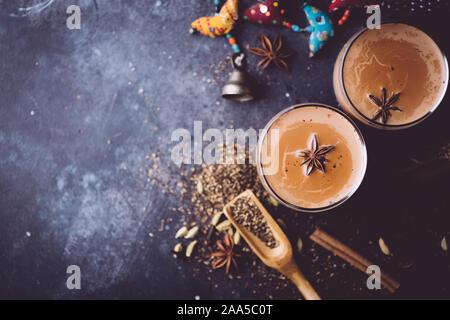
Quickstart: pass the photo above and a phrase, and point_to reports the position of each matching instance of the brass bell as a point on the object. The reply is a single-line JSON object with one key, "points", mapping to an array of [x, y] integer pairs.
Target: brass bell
{"points": [[238, 86]]}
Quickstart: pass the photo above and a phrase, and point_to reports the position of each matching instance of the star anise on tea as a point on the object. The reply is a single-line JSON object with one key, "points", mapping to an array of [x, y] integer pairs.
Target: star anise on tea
{"points": [[385, 105], [272, 52], [226, 255], [315, 157]]}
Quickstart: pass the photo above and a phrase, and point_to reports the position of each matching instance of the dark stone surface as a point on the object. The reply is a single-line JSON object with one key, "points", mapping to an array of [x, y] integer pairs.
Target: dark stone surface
{"points": [[75, 130]]}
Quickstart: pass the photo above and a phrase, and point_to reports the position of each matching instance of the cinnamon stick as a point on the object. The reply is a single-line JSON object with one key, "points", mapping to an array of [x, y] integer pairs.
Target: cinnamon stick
{"points": [[359, 262]]}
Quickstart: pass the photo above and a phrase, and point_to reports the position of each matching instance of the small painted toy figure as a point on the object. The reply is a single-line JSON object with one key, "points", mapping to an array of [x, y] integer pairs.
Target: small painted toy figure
{"points": [[269, 12], [220, 24], [321, 28]]}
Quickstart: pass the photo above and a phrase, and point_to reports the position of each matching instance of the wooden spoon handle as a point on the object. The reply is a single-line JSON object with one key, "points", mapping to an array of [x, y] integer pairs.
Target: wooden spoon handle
{"points": [[303, 285]]}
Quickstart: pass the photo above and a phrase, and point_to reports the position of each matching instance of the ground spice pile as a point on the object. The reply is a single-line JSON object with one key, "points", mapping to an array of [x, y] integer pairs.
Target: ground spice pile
{"points": [[246, 213], [220, 183]]}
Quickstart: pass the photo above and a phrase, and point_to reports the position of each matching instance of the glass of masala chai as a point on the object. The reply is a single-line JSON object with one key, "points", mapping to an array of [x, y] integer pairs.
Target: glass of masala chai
{"points": [[390, 78], [311, 157]]}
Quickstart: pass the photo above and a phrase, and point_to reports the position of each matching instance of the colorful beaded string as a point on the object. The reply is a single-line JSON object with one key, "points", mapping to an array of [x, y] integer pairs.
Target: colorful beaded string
{"points": [[291, 26], [233, 44], [216, 3]]}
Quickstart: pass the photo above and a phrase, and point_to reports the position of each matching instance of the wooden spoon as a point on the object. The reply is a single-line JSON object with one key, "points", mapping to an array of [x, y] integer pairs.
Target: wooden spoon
{"points": [[280, 257]]}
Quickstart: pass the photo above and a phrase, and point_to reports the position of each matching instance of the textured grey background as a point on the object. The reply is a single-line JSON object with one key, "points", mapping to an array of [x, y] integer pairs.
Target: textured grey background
{"points": [[75, 129]]}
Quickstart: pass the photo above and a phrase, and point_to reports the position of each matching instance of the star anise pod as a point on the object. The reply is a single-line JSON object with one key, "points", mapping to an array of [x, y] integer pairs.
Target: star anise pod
{"points": [[385, 105], [226, 255], [315, 157], [272, 52]]}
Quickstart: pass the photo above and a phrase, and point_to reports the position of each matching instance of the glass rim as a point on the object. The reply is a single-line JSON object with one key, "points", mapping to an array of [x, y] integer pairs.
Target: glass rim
{"points": [[393, 126], [263, 176]]}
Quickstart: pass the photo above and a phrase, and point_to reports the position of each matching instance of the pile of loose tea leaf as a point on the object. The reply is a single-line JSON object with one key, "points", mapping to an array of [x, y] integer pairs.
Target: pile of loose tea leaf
{"points": [[219, 184], [246, 213]]}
